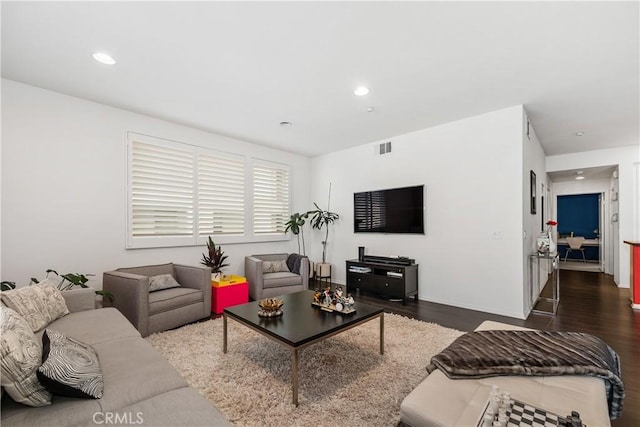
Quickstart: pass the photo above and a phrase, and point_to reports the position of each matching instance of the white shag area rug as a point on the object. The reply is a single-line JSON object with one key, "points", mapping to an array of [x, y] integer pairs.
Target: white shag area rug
{"points": [[343, 380]]}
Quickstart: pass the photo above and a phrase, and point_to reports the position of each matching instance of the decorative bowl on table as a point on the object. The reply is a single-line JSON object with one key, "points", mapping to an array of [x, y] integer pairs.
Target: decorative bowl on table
{"points": [[270, 307]]}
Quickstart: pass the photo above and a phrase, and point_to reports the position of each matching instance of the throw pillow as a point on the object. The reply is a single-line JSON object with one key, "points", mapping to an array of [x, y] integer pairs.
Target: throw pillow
{"points": [[20, 356], [162, 281], [274, 266], [69, 367], [39, 304]]}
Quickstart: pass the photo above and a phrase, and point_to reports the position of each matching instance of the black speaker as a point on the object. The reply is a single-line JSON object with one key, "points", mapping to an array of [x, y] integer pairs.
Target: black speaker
{"points": [[361, 253]]}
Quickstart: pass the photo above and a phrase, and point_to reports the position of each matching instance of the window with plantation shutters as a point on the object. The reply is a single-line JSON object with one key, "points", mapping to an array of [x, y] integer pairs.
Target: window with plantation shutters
{"points": [[180, 194], [161, 191], [270, 198], [221, 187]]}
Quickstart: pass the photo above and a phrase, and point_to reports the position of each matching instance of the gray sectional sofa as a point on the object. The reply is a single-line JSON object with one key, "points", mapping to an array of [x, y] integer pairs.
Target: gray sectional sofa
{"points": [[140, 386]]}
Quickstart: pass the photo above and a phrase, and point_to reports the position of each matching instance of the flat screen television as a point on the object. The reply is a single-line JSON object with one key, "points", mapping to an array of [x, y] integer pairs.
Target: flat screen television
{"points": [[396, 210]]}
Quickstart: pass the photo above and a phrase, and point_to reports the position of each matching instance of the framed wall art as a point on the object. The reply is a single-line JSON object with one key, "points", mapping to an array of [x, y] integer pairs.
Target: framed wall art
{"points": [[533, 192]]}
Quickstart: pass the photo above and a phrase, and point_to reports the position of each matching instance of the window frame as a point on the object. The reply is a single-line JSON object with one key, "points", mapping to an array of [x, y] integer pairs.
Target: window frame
{"points": [[275, 165], [196, 239], [233, 158]]}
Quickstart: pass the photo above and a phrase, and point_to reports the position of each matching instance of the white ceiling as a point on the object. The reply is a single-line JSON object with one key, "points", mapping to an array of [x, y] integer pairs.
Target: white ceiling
{"points": [[240, 68], [599, 173]]}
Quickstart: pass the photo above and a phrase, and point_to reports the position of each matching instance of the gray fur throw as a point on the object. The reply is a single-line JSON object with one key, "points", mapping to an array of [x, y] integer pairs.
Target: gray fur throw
{"points": [[294, 262], [485, 354]]}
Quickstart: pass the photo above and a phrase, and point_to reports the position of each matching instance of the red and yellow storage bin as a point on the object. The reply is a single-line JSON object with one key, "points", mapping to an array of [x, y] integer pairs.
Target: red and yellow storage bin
{"points": [[230, 290]]}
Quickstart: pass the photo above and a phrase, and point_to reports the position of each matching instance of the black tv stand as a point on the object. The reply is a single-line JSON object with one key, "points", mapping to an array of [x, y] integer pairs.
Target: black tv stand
{"points": [[391, 280], [388, 260]]}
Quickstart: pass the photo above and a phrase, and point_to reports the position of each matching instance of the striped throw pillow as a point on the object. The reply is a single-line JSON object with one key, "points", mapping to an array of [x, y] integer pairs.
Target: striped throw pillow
{"points": [[69, 367]]}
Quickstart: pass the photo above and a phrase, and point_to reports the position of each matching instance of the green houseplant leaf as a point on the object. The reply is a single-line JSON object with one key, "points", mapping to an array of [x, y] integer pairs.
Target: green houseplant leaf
{"points": [[69, 281], [296, 226], [216, 257], [320, 219], [7, 286], [106, 294]]}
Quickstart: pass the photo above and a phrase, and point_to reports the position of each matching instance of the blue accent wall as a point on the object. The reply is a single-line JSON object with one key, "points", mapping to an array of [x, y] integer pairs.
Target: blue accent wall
{"points": [[579, 214]]}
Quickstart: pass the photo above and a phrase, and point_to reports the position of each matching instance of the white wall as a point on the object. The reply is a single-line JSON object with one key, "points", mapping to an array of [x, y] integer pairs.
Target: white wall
{"points": [[472, 172], [63, 186], [1, 83], [628, 195], [63, 197], [532, 160]]}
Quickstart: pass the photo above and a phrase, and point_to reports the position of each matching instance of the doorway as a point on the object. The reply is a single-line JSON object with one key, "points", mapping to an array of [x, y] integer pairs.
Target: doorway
{"points": [[580, 219]]}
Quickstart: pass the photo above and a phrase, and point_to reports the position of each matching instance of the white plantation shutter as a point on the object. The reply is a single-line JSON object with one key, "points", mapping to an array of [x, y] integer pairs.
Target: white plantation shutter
{"points": [[161, 191], [270, 198], [180, 194], [221, 187]]}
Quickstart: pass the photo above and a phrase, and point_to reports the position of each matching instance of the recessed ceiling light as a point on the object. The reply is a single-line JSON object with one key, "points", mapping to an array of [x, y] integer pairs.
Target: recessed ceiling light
{"points": [[579, 177], [286, 124], [361, 91], [579, 133], [104, 58], [370, 110]]}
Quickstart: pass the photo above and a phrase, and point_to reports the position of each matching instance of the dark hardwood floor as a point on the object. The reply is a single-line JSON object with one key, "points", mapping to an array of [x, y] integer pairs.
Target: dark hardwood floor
{"points": [[589, 302]]}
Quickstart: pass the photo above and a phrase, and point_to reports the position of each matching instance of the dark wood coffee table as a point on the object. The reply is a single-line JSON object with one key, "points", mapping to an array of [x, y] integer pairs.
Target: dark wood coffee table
{"points": [[301, 325]]}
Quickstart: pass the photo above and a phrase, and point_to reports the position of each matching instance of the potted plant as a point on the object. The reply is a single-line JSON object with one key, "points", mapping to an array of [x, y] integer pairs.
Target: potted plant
{"points": [[323, 218], [71, 280], [215, 260], [296, 226]]}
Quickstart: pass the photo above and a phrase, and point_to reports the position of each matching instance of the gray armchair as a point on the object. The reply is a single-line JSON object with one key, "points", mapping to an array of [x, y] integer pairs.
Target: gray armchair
{"points": [[163, 309], [270, 284]]}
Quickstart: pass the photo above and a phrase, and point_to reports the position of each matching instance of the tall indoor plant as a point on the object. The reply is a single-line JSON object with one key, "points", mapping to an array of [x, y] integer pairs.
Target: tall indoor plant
{"points": [[296, 226], [320, 219]]}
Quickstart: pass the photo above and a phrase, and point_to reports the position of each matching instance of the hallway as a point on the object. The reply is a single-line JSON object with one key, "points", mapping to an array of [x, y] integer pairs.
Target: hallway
{"points": [[580, 266], [590, 302]]}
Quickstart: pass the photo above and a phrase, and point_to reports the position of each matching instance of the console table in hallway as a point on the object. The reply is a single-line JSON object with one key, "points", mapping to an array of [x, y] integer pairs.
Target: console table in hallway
{"points": [[553, 276]]}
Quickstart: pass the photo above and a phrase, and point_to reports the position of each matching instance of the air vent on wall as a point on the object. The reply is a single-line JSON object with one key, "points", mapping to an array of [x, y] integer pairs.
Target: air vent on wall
{"points": [[384, 148]]}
